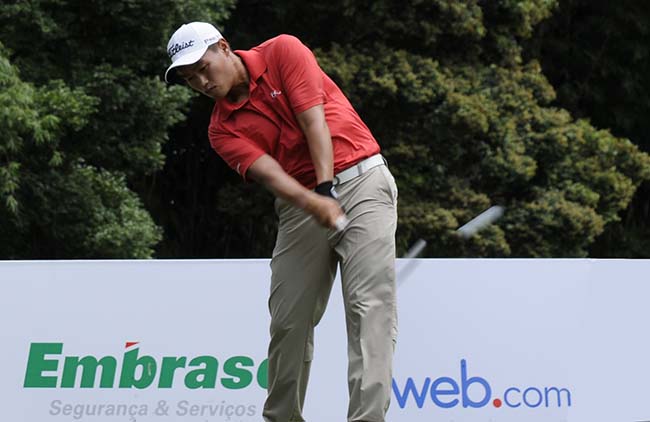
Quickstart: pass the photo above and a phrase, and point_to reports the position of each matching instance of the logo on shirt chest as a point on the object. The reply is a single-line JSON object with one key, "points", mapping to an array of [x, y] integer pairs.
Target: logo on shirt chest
{"points": [[275, 93]]}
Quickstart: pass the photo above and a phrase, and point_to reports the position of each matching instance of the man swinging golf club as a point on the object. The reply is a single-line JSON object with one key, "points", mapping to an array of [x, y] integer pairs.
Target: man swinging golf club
{"points": [[281, 121]]}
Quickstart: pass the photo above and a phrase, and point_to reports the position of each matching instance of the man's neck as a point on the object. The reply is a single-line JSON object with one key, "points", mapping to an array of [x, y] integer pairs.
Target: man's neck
{"points": [[240, 91]]}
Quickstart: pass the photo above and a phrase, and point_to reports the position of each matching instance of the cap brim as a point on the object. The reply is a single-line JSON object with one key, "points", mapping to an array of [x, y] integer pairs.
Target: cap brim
{"points": [[171, 75]]}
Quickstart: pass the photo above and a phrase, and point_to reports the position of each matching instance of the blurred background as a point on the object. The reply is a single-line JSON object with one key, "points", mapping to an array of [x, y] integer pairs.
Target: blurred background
{"points": [[538, 105]]}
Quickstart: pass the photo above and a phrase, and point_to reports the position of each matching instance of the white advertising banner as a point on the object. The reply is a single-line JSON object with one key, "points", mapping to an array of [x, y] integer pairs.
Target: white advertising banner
{"points": [[479, 341]]}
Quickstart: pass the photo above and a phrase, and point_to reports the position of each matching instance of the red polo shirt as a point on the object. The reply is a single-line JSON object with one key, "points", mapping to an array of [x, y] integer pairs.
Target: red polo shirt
{"points": [[285, 80]]}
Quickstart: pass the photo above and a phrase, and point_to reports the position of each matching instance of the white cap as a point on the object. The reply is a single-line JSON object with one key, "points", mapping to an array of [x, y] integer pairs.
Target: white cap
{"points": [[188, 44]]}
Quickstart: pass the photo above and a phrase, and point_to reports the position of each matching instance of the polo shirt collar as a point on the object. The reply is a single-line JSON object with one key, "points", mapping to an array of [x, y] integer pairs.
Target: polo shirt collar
{"points": [[254, 62], [256, 66]]}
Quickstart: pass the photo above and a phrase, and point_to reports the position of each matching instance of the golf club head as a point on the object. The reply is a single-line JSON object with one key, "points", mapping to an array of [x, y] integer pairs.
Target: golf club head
{"points": [[481, 221]]}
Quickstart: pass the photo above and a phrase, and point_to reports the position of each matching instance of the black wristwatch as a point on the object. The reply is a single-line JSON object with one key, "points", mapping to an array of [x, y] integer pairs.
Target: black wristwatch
{"points": [[327, 189]]}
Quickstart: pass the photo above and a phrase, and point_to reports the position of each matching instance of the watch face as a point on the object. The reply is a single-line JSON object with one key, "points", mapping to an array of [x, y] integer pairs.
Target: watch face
{"points": [[333, 193]]}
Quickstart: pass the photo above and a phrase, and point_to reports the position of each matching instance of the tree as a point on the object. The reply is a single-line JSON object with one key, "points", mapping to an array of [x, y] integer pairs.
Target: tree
{"points": [[87, 119], [453, 90], [466, 122], [597, 54]]}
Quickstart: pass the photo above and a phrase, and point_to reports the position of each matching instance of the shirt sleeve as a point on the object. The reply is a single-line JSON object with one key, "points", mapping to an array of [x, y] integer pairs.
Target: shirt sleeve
{"points": [[302, 77], [236, 150]]}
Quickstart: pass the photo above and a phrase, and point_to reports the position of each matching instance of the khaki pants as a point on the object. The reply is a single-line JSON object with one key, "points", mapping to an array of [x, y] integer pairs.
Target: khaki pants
{"points": [[303, 269]]}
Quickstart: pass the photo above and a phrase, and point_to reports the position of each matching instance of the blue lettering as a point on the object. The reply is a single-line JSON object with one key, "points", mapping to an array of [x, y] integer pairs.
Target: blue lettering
{"points": [[446, 393], [435, 392], [409, 388], [559, 397], [539, 395], [507, 393], [465, 383]]}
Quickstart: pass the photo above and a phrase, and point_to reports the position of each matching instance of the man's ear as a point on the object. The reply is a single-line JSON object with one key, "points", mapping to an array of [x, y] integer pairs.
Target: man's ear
{"points": [[223, 45]]}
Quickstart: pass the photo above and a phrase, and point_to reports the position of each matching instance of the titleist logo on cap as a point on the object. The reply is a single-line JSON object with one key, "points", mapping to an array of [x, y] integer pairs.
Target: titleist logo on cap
{"points": [[179, 47]]}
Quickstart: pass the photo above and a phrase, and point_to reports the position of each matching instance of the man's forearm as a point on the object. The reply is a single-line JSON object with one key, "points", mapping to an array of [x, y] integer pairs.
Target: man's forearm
{"points": [[320, 149], [314, 126], [268, 172]]}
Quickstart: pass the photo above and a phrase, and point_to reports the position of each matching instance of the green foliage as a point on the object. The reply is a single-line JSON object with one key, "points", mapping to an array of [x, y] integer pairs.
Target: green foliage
{"points": [[132, 121], [95, 216], [467, 122], [32, 120], [86, 118], [66, 39], [551, 215], [457, 135], [453, 90], [51, 208], [597, 54]]}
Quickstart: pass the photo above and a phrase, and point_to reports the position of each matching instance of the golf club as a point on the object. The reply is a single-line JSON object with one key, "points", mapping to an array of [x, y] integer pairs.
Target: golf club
{"points": [[466, 231]]}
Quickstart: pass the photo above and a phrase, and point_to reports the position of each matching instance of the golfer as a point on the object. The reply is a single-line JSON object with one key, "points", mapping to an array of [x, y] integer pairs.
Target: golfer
{"points": [[279, 120]]}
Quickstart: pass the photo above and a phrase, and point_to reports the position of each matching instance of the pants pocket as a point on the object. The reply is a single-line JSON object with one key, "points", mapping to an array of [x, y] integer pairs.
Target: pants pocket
{"points": [[390, 183]]}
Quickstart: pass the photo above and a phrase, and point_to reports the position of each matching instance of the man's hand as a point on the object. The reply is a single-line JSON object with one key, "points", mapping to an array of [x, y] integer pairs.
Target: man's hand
{"points": [[324, 209]]}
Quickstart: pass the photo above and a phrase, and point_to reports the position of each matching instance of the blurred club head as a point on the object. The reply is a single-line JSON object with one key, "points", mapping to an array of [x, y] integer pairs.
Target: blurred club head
{"points": [[480, 222]]}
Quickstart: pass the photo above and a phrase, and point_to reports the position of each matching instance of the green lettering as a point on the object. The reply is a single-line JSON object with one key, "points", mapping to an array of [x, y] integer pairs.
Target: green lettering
{"points": [[205, 377], [89, 365], [263, 374], [131, 363], [169, 366], [243, 376], [37, 364]]}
